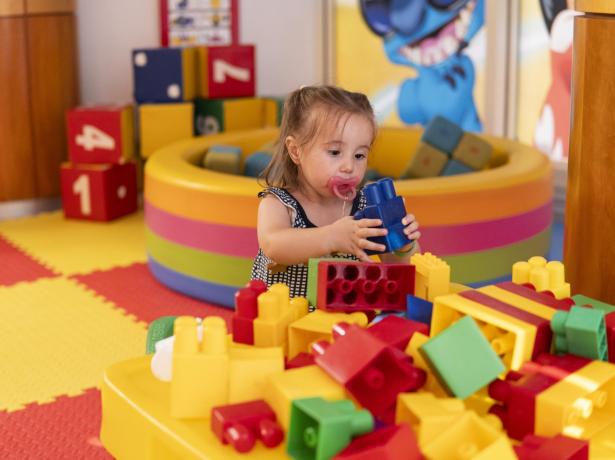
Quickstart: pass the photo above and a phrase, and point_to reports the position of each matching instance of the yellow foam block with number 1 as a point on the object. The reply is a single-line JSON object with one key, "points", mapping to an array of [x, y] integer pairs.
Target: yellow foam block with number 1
{"points": [[163, 124], [249, 368], [200, 370]]}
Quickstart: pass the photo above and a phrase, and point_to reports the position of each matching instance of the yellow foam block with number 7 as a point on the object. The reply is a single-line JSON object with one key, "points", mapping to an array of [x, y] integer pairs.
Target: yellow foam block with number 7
{"points": [[101, 134], [226, 71]]}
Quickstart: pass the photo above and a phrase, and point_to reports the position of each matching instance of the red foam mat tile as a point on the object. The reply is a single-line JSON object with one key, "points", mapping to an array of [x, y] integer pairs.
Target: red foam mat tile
{"points": [[135, 290], [68, 428], [16, 266]]}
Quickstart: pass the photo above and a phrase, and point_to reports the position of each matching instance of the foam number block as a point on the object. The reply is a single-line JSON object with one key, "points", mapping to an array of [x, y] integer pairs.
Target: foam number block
{"points": [[98, 192], [454, 167], [163, 124], [256, 163], [472, 151], [442, 134], [426, 162], [164, 74], [100, 134], [223, 158], [223, 115], [227, 71]]}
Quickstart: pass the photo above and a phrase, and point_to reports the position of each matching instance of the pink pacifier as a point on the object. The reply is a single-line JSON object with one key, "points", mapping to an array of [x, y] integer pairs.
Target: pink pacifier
{"points": [[345, 189]]}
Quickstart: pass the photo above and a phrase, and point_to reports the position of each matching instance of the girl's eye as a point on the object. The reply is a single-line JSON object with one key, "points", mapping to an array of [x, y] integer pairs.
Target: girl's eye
{"points": [[334, 152], [360, 156]]}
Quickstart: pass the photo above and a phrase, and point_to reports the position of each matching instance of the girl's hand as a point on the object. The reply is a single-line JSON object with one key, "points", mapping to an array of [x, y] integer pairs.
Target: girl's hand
{"points": [[350, 236], [411, 227]]}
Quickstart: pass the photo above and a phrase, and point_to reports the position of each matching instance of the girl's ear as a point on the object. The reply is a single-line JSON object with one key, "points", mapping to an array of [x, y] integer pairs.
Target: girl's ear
{"points": [[292, 148]]}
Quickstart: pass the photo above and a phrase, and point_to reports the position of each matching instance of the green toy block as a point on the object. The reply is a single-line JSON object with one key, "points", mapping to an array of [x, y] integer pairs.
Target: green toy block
{"points": [[473, 151], [319, 429], [462, 358], [580, 331], [582, 300], [159, 329], [223, 158], [426, 162]]}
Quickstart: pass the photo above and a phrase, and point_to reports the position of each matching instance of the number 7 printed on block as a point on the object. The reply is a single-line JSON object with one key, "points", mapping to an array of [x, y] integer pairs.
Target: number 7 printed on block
{"points": [[227, 71]]}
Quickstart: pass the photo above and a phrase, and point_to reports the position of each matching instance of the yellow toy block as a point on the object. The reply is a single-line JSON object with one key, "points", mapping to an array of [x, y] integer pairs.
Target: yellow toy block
{"points": [[433, 276], [200, 370], [530, 306], [248, 370], [304, 382], [543, 275], [275, 313], [511, 338], [317, 325], [163, 124], [580, 405], [431, 383], [470, 437]]}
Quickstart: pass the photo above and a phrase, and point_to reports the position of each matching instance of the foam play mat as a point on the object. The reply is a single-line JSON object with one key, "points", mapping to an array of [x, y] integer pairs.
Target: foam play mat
{"points": [[75, 298]]}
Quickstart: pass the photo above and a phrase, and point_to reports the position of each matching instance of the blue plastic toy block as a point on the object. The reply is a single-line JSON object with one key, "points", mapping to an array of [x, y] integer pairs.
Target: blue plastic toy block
{"points": [[384, 204], [419, 309], [454, 167], [442, 134], [580, 331], [256, 163], [164, 74]]}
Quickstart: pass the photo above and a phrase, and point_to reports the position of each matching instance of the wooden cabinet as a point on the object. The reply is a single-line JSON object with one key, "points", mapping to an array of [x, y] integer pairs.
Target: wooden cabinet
{"points": [[38, 83]]}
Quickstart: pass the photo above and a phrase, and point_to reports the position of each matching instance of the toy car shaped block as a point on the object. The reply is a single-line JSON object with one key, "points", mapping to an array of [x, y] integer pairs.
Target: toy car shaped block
{"points": [[101, 134], [442, 134], [246, 310], [227, 71], [556, 448], [319, 429], [375, 376], [195, 362], [164, 74], [348, 286], [225, 115], [472, 151], [581, 331], [394, 442], [454, 167], [241, 425], [427, 161], [163, 124], [383, 203], [256, 163], [223, 158], [447, 353], [542, 275], [98, 192]]}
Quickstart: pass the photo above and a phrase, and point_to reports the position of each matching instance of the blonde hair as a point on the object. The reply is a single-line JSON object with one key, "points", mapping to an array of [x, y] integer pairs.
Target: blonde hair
{"points": [[300, 120]]}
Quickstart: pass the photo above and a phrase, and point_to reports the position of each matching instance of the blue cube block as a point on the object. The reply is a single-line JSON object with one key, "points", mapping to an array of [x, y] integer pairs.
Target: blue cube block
{"points": [[384, 204], [164, 74], [419, 309], [454, 167], [442, 134], [256, 163]]}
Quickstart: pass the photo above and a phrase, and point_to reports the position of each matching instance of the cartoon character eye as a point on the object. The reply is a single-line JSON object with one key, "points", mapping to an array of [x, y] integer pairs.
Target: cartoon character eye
{"points": [[376, 15]]}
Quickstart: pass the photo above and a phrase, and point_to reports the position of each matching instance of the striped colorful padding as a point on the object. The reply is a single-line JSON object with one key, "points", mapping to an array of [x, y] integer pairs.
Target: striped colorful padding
{"points": [[201, 235]]}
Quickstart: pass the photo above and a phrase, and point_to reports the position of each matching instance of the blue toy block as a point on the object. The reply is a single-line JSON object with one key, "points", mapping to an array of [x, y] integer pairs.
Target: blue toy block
{"points": [[164, 74], [419, 309], [256, 163], [384, 204], [442, 134], [454, 167]]}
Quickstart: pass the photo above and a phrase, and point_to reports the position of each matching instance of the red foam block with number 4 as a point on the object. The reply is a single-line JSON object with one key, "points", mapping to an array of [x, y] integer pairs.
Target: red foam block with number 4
{"points": [[227, 71], [102, 134], [98, 192]]}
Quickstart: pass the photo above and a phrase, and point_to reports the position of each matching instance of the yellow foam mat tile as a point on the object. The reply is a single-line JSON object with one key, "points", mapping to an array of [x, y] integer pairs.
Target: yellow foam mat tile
{"points": [[75, 246], [57, 338]]}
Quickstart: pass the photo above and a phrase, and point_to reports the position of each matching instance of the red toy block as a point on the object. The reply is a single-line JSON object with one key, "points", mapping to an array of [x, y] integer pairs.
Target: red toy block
{"points": [[396, 442], [98, 192], [246, 310], [373, 372], [544, 297], [609, 322], [227, 71], [517, 398], [396, 331], [555, 366], [242, 424], [544, 335], [556, 448], [351, 286], [301, 360], [103, 134]]}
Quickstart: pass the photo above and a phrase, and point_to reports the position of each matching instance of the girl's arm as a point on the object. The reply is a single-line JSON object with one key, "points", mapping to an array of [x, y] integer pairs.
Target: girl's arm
{"points": [[288, 246]]}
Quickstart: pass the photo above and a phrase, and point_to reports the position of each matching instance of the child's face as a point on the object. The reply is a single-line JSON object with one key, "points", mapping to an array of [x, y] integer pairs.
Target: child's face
{"points": [[340, 152]]}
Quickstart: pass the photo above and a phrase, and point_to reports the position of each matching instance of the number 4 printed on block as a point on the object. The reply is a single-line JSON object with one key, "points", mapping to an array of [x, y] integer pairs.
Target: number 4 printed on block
{"points": [[228, 71], [93, 138]]}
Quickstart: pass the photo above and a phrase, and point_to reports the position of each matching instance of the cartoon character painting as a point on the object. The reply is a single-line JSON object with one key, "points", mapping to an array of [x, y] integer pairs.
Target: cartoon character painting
{"points": [[553, 127], [431, 36]]}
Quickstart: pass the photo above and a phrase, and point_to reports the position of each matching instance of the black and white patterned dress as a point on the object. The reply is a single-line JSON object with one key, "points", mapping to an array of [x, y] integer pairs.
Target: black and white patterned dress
{"points": [[295, 276]]}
